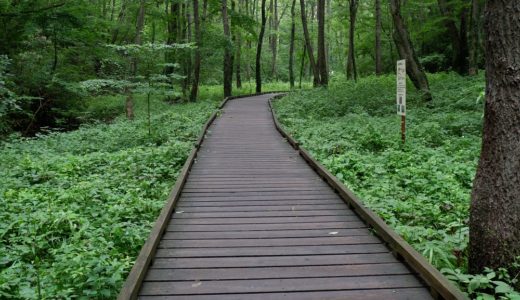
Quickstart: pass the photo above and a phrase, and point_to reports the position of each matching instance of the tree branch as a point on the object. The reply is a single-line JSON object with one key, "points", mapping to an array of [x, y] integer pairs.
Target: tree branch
{"points": [[32, 11]]}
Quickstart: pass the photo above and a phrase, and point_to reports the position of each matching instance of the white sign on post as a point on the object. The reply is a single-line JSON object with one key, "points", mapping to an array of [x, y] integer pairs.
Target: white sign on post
{"points": [[401, 87]]}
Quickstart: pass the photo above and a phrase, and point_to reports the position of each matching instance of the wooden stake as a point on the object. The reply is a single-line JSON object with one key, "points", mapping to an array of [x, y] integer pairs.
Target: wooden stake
{"points": [[403, 128]]}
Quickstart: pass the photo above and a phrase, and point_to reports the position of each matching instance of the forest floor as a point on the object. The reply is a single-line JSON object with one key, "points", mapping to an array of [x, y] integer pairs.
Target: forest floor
{"points": [[422, 188], [78, 206]]}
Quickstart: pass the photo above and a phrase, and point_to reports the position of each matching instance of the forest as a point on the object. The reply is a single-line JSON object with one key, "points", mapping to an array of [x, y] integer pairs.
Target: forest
{"points": [[101, 102]]}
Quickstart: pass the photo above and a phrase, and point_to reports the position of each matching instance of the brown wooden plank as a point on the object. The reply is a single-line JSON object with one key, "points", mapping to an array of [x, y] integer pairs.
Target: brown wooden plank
{"points": [[262, 189], [270, 242], [180, 214], [259, 198], [273, 251], [265, 220], [270, 226], [273, 204], [279, 285], [264, 234], [272, 261], [277, 272], [374, 294]]}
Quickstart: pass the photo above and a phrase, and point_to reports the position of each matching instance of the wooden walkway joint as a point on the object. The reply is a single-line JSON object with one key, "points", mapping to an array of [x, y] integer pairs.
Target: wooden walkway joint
{"points": [[251, 217]]}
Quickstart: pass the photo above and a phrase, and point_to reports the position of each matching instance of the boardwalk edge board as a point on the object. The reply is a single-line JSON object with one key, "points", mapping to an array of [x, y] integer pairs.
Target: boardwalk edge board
{"points": [[440, 286], [135, 278]]}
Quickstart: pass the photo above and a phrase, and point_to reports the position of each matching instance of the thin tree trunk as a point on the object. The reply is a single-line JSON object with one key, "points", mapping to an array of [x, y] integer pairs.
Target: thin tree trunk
{"points": [[187, 56], [120, 19], [55, 49], [495, 200], [238, 55], [302, 68], [308, 44], [322, 48], [274, 37], [197, 62], [172, 17], [137, 40], [259, 50], [228, 56], [458, 38], [379, 64], [474, 37], [112, 10], [351, 57], [291, 46], [406, 51]]}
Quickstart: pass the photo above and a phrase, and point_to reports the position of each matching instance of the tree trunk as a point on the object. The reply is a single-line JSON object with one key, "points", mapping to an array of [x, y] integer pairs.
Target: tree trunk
{"points": [[351, 57], [120, 19], [129, 104], [302, 67], [406, 51], [308, 45], [249, 45], [379, 64], [197, 62], [137, 40], [259, 50], [228, 56], [322, 48], [458, 38], [474, 37], [273, 36], [495, 200], [187, 56], [173, 24], [291, 46], [238, 55]]}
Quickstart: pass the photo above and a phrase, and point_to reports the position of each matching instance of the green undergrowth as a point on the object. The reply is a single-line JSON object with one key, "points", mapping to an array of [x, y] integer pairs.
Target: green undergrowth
{"points": [[422, 188], [76, 207]]}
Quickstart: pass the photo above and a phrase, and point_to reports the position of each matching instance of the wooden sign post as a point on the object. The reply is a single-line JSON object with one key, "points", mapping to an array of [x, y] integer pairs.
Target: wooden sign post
{"points": [[401, 96]]}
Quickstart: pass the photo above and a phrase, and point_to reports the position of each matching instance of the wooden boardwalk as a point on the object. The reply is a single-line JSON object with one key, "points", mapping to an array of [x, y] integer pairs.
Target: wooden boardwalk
{"points": [[255, 221]]}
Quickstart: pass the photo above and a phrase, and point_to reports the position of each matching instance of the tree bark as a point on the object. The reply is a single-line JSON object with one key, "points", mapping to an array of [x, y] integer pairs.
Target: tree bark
{"points": [[291, 46], [120, 19], [228, 56], [495, 200], [302, 67], [137, 40], [322, 48], [197, 62], [172, 16], [308, 45], [406, 51], [351, 58], [238, 52], [474, 37], [458, 37], [379, 64], [273, 36], [188, 63], [259, 50]]}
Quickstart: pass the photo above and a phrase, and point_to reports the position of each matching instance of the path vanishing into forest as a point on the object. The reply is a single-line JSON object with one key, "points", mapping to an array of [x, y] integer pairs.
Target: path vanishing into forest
{"points": [[255, 221]]}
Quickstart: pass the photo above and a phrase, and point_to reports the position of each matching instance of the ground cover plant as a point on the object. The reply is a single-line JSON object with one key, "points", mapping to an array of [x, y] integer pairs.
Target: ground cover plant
{"points": [[77, 206], [422, 188]]}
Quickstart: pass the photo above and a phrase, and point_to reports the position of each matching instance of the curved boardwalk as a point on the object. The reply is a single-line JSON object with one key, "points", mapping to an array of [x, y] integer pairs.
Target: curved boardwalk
{"points": [[256, 222]]}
